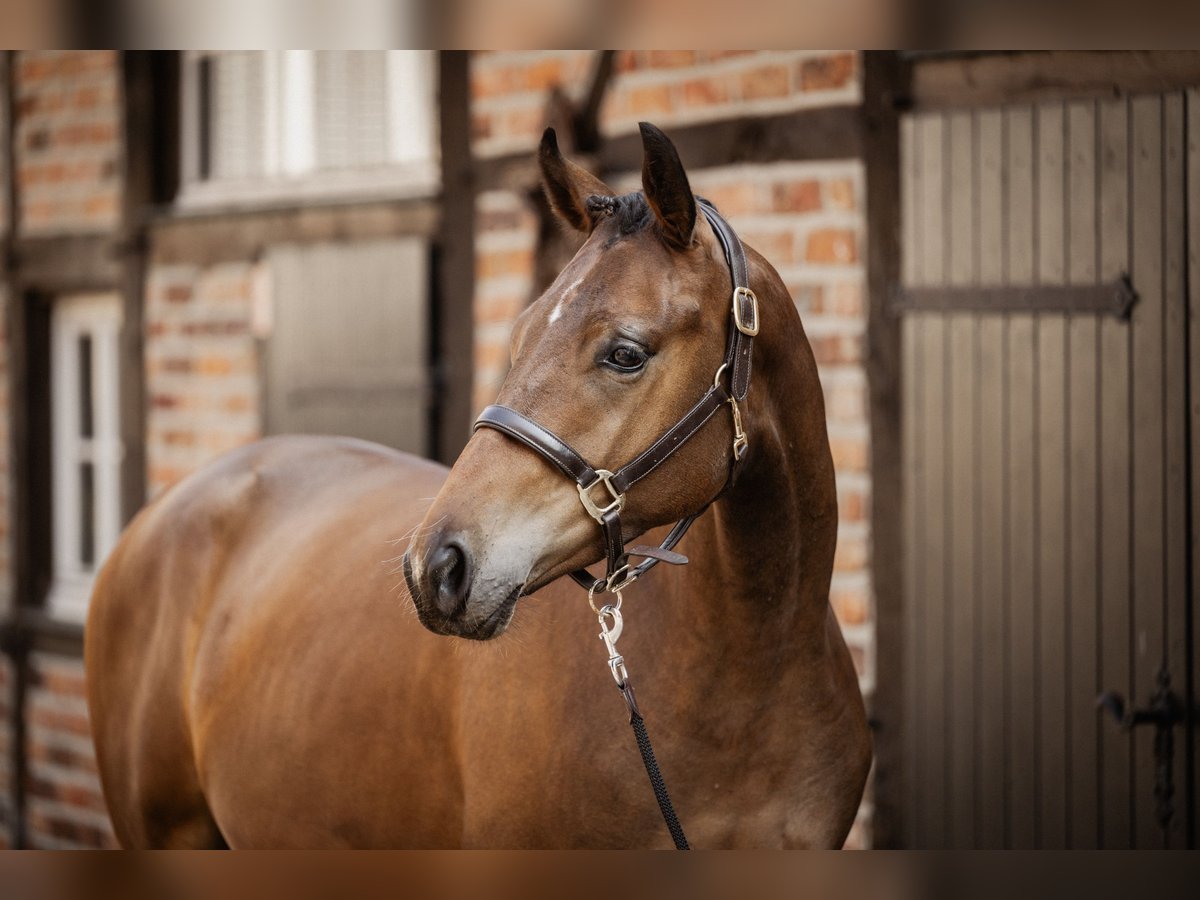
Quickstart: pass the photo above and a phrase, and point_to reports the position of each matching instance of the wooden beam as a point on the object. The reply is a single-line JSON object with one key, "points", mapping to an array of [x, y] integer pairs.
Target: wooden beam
{"points": [[66, 263], [453, 312], [204, 239], [1116, 298], [992, 79], [833, 132], [885, 83]]}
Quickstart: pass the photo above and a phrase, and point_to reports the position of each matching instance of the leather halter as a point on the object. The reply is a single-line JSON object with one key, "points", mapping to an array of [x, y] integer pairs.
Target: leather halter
{"points": [[602, 492]]}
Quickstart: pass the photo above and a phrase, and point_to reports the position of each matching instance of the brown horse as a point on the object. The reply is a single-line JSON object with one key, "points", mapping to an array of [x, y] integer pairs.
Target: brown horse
{"points": [[256, 677]]}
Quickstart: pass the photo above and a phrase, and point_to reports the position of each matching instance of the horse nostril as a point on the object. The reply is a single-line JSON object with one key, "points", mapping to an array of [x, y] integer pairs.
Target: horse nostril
{"points": [[450, 574]]}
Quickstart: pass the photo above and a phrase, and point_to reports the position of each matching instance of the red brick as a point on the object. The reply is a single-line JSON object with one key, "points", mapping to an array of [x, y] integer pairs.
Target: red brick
{"points": [[57, 720], [670, 59], [544, 74], [827, 72], [847, 402], [86, 133], [214, 365], [701, 92], [846, 299], [765, 82], [524, 122], [490, 81], [178, 293], [498, 310], [831, 245], [60, 681], [852, 506], [716, 55], [836, 349], [491, 354], [796, 196], [849, 454], [850, 605], [841, 193], [627, 60], [503, 262], [776, 246], [650, 100], [734, 198]]}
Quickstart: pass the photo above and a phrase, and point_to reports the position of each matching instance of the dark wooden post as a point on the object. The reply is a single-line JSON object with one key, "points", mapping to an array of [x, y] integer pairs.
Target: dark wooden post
{"points": [[885, 89], [453, 319]]}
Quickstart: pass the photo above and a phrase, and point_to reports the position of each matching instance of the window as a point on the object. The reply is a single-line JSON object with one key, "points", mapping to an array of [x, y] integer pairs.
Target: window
{"points": [[86, 445], [289, 125]]}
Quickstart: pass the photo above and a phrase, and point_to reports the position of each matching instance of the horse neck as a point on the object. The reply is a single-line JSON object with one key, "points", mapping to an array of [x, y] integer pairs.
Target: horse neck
{"points": [[762, 557]]}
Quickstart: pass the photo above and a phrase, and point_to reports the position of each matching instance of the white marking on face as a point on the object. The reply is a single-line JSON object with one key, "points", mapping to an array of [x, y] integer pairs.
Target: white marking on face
{"points": [[556, 313]]}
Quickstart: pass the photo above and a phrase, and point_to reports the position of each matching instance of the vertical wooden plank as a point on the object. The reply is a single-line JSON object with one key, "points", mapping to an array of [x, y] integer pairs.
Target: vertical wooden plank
{"points": [[1115, 482], [1191, 693], [960, 531], [1050, 574], [914, 600], [935, 774], [1175, 601], [1022, 466], [1146, 252], [1081, 731], [990, 650], [1192, 785]]}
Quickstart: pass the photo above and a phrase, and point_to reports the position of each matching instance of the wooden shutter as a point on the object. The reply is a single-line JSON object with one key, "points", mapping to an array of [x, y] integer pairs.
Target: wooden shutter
{"points": [[348, 349]]}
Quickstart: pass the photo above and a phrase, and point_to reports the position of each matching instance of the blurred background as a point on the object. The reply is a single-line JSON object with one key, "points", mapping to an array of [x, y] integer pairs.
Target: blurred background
{"points": [[990, 251]]}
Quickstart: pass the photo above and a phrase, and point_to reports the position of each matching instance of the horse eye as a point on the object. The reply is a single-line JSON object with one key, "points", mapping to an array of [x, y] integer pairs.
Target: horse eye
{"points": [[625, 358]]}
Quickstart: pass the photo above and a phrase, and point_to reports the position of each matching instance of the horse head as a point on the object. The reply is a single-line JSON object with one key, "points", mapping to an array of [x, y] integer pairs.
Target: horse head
{"points": [[618, 348]]}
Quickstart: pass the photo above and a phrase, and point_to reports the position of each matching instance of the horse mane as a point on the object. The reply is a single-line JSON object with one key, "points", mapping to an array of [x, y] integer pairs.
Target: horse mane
{"points": [[631, 211]]}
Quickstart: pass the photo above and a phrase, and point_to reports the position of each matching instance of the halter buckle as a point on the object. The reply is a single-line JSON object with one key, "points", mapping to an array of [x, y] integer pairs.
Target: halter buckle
{"points": [[597, 512], [747, 326]]}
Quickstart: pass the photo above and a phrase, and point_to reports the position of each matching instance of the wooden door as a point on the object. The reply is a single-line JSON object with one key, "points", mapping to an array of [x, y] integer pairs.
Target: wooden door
{"points": [[1046, 472]]}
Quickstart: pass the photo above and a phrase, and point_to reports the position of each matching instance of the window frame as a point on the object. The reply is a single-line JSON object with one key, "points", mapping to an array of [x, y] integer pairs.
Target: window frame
{"points": [[72, 316], [291, 179]]}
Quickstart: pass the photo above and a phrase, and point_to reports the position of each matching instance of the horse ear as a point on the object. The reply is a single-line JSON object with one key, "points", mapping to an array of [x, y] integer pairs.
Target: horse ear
{"points": [[567, 185], [666, 187]]}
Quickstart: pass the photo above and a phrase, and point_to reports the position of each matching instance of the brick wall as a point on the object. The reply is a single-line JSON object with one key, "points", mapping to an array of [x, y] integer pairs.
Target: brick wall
{"points": [[808, 219], [202, 382], [68, 140], [673, 87], [64, 806]]}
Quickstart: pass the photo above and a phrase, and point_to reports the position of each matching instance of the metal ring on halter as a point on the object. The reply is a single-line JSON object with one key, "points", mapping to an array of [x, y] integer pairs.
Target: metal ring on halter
{"points": [[600, 588], [720, 372]]}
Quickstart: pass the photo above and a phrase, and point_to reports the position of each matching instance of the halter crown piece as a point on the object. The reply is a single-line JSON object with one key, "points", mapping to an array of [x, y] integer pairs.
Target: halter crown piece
{"points": [[602, 492]]}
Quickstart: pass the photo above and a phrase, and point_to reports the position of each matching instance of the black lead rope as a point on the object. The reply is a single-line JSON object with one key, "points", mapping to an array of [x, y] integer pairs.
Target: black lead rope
{"points": [[652, 771]]}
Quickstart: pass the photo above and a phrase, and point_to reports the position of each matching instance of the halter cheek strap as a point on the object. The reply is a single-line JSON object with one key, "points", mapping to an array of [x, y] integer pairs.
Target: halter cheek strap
{"points": [[602, 492]]}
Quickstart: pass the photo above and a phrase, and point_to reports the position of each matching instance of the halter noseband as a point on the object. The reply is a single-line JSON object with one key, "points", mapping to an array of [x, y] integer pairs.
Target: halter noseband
{"points": [[602, 492]]}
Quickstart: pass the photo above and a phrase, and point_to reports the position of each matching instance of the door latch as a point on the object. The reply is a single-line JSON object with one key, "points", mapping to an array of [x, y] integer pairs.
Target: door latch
{"points": [[1164, 712]]}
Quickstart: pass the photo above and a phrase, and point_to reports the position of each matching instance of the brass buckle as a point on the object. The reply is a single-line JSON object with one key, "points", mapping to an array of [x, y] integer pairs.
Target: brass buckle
{"points": [[595, 511], [750, 329]]}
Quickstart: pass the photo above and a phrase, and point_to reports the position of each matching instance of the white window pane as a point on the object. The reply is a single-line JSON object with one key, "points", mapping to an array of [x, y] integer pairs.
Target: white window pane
{"points": [[235, 117], [86, 446], [351, 106]]}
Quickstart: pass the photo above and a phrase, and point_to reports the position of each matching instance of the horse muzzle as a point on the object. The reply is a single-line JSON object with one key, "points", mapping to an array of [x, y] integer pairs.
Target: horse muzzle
{"points": [[441, 589]]}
